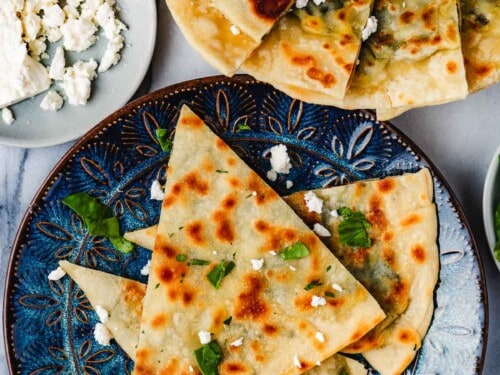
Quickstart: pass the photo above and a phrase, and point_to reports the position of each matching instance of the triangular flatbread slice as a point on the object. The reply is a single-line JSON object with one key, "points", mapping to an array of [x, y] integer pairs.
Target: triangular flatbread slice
{"points": [[401, 266], [387, 269], [315, 47], [219, 219], [102, 289], [120, 297]]}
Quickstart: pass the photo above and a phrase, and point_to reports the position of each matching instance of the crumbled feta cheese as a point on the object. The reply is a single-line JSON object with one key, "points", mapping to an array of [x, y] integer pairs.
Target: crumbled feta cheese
{"points": [[318, 301], [289, 184], [56, 70], [321, 231], [280, 161], [318, 363], [52, 101], [254, 193], [235, 30], [313, 203], [205, 337], [78, 34], [191, 369], [296, 362], [370, 28], [301, 4], [102, 313], [112, 54], [8, 116], [292, 268], [145, 270], [76, 81], [337, 287], [272, 252], [237, 342], [272, 175], [320, 337], [334, 213], [257, 263], [53, 16], [157, 192], [102, 334], [56, 274]]}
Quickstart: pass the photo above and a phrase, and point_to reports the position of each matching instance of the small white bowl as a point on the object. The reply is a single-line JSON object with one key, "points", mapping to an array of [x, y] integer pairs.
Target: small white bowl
{"points": [[491, 198]]}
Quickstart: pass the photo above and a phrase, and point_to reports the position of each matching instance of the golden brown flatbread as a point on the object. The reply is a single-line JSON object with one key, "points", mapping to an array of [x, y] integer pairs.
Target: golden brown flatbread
{"points": [[261, 259]]}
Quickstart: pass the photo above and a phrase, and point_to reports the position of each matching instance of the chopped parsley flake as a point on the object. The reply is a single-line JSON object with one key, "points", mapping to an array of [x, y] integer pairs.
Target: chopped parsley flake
{"points": [[219, 272], [221, 171], [312, 284], [228, 321], [243, 127], [329, 294], [180, 258], [163, 140], [199, 262], [296, 251]]}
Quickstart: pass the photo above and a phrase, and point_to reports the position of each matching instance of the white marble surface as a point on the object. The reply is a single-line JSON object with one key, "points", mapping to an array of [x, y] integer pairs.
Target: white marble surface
{"points": [[459, 138]]}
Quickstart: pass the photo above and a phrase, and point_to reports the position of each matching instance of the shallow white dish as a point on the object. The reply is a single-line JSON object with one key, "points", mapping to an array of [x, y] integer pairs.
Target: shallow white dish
{"points": [[35, 127], [491, 198]]}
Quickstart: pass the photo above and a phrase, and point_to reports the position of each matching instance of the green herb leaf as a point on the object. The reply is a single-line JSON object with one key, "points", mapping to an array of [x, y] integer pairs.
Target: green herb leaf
{"points": [[328, 268], [199, 262], [243, 127], [353, 228], [221, 171], [180, 258], [219, 272], [312, 284], [296, 251], [163, 140], [99, 219], [329, 294], [157, 286], [228, 321], [208, 358]]}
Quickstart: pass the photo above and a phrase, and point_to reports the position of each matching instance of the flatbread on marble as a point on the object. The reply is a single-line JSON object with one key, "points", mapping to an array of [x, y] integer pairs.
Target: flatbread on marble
{"points": [[314, 48], [218, 219]]}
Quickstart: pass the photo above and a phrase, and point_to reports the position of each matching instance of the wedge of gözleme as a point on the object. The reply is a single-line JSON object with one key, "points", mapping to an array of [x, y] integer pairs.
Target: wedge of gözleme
{"points": [[257, 258]]}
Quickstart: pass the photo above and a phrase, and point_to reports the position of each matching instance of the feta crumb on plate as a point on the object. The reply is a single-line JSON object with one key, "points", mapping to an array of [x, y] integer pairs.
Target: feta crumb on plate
{"points": [[313, 203], [102, 334], [205, 337], [237, 342], [56, 70], [289, 184], [7, 116], [272, 175], [157, 192], [321, 231], [145, 270], [102, 313], [318, 301], [280, 161], [56, 274], [52, 102], [76, 81]]}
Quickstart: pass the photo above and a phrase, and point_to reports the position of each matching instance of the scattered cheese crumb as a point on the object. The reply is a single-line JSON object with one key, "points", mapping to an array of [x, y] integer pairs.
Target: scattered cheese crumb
{"points": [[56, 274], [56, 70], [334, 213], [320, 337], [337, 287], [214, 252], [235, 30], [289, 184], [280, 161], [76, 81], [370, 28], [292, 268], [318, 301], [7, 116], [191, 369], [145, 270], [318, 363], [238, 342], [52, 102], [321, 231], [254, 193], [102, 334], [102, 313], [296, 362], [272, 252], [205, 337], [313, 203], [272, 175], [157, 192], [257, 263]]}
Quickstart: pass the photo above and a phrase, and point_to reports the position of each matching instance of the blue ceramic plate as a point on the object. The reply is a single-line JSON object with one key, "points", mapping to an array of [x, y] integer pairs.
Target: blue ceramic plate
{"points": [[49, 325]]}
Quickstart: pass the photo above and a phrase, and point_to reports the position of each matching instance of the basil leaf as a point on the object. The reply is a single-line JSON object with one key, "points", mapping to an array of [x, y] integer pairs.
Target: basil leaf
{"points": [[98, 219], [219, 272], [296, 251], [208, 358], [312, 284], [228, 321], [199, 262], [180, 258], [353, 228], [163, 140]]}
